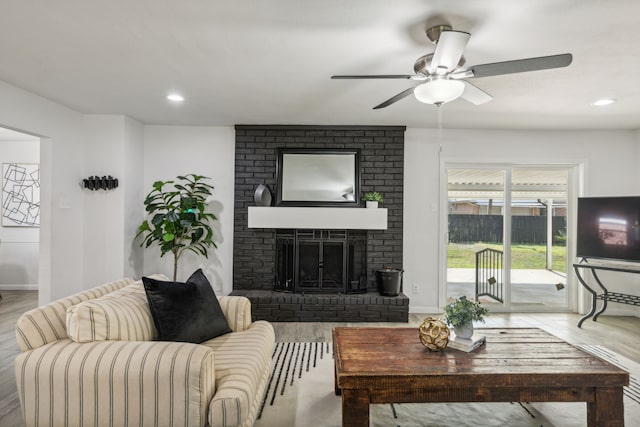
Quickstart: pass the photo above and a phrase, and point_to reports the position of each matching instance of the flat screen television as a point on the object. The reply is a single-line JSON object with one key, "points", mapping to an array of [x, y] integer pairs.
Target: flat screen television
{"points": [[609, 227]]}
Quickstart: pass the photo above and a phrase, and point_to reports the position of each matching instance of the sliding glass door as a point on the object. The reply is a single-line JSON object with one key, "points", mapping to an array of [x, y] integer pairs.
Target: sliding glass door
{"points": [[538, 237], [507, 236], [475, 249]]}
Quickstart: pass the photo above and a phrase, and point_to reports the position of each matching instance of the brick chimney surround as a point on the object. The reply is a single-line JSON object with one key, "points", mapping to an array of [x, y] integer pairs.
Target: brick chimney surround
{"points": [[254, 254]]}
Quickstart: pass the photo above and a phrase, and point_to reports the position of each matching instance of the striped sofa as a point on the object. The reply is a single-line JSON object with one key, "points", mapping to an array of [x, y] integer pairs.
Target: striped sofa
{"points": [[117, 375]]}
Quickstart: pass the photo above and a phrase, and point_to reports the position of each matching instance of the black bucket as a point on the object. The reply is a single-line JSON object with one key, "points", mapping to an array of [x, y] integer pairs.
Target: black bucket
{"points": [[389, 282]]}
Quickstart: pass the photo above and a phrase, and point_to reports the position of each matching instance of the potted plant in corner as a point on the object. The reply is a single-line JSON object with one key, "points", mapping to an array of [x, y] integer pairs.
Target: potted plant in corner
{"points": [[372, 199], [178, 219], [461, 313]]}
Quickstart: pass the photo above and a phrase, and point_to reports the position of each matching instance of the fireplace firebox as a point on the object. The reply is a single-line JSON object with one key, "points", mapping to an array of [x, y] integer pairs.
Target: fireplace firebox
{"points": [[321, 261]]}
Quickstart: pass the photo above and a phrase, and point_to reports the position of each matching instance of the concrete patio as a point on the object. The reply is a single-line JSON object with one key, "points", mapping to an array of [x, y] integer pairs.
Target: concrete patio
{"points": [[529, 287]]}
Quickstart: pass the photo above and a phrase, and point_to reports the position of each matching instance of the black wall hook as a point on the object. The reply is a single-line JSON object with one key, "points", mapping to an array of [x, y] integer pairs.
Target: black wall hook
{"points": [[96, 183]]}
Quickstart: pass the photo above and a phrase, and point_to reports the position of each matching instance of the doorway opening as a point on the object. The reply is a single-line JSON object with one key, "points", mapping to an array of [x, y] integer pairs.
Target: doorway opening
{"points": [[19, 211]]}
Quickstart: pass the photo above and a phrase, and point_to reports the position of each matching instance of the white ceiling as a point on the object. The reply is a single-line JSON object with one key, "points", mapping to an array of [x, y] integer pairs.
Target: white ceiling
{"points": [[269, 62]]}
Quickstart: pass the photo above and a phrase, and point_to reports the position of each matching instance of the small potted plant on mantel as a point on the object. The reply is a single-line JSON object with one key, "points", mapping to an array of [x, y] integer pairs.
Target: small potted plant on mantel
{"points": [[372, 199], [461, 313]]}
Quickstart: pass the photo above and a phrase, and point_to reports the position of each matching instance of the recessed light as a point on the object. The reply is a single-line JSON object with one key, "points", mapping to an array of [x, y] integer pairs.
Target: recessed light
{"points": [[175, 97], [604, 101]]}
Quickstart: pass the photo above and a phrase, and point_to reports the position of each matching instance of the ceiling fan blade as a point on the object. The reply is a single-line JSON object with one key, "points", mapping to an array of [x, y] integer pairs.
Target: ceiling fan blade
{"points": [[521, 65], [381, 76], [449, 49], [474, 94], [396, 98]]}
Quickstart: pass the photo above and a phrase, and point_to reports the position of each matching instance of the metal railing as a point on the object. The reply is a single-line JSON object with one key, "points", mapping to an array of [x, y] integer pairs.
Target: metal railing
{"points": [[489, 269]]}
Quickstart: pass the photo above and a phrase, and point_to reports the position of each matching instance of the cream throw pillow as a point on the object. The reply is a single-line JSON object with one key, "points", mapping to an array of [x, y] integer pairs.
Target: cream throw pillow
{"points": [[122, 315]]}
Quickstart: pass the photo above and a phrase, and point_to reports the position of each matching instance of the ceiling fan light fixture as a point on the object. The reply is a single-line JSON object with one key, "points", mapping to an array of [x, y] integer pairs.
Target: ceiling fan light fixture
{"points": [[439, 91]]}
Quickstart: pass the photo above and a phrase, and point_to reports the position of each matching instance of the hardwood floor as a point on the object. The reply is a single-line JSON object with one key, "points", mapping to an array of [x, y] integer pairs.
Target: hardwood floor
{"points": [[620, 334], [12, 305]]}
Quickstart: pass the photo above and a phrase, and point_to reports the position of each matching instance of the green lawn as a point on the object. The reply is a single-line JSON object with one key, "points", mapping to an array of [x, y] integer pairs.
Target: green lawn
{"points": [[522, 256]]}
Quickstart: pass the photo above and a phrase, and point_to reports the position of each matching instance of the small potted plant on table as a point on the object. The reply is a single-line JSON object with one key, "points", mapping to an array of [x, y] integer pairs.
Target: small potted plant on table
{"points": [[372, 199], [461, 313]]}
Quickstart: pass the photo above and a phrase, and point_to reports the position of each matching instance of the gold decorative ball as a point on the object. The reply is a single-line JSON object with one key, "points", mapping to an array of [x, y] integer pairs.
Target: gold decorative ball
{"points": [[434, 334]]}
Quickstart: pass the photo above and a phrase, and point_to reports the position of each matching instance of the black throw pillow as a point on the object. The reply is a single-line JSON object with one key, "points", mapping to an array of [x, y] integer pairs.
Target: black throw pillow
{"points": [[187, 312]]}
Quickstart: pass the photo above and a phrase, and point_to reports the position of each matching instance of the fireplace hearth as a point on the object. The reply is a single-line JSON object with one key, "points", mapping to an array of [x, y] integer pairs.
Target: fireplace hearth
{"points": [[321, 261]]}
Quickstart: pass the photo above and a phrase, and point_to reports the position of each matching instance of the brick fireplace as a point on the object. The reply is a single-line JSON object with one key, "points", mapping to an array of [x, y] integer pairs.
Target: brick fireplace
{"points": [[257, 252]]}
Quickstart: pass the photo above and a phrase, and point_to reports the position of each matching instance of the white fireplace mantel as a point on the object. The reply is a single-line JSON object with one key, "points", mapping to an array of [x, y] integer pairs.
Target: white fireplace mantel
{"points": [[312, 217]]}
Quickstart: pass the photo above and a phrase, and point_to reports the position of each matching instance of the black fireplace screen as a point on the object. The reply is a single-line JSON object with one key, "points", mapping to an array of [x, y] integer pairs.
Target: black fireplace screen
{"points": [[330, 261]]}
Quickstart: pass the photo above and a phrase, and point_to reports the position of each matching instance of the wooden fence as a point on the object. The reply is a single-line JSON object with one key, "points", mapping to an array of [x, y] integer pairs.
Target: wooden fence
{"points": [[488, 229]]}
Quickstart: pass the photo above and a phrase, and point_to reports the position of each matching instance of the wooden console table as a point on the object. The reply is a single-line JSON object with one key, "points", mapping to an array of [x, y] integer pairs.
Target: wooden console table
{"points": [[605, 296], [390, 365]]}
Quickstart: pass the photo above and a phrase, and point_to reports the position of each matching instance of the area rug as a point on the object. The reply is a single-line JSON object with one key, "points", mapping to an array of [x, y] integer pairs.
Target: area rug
{"points": [[300, 393]]}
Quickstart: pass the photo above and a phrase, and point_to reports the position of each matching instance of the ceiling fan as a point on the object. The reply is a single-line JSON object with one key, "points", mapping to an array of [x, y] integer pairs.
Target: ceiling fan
{"points": [[444, 74]]}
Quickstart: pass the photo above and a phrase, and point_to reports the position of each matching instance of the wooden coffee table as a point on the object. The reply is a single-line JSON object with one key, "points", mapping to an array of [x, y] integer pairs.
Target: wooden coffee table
{"points": [[390, 365]]}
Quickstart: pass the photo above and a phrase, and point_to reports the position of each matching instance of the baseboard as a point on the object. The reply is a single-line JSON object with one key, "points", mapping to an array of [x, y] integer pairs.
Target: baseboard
{"points": [[19, 287], [611, 310], [426, 310], [624, 310]]}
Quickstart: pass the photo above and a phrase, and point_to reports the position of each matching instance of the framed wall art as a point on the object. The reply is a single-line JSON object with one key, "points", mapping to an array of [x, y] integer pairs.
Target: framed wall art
{"points": [[20, 195]]}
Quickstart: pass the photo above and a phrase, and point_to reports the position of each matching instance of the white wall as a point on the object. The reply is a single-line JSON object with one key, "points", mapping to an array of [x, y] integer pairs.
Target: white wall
{"points": [[84, 236], [19, 246], [104, 209], [609, 159], [113, 147], [62, 132], [170, 151], [420, 219], [132, 182]]}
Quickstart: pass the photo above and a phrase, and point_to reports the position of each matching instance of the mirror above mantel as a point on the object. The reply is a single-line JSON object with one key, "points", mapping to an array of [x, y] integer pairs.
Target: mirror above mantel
{"points": [[316, 177]]}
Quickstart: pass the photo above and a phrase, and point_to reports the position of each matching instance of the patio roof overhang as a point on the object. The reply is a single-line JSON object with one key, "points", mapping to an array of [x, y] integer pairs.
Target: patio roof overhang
{"points": [[489, 184]]}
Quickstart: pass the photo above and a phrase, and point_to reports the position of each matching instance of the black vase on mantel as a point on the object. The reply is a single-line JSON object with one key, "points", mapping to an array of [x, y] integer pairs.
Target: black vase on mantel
{"points": [[389, 281]]}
